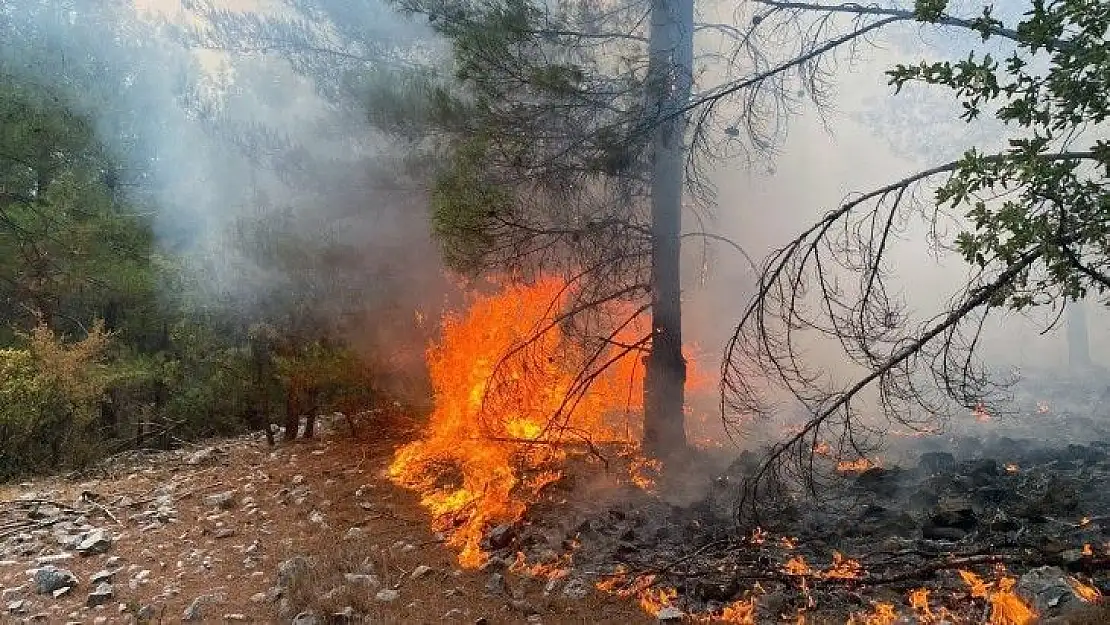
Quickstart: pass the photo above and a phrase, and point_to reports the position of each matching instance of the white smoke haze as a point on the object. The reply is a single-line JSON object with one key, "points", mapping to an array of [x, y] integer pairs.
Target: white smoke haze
{"points": [[268, 187], [863, 138]]}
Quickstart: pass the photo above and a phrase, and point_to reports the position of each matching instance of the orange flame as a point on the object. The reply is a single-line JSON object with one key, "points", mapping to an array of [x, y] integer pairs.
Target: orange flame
{"points": [[1006, 607], [1086, 592], [919, 601], [740, 612], [796, 566], [883, 614], [644, 472], [653, 600], [843, 568], [491, 443], [856, 466]]}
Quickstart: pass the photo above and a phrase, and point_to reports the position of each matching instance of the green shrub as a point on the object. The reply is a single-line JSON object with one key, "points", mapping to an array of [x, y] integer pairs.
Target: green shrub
{"points": [[50, 394]]}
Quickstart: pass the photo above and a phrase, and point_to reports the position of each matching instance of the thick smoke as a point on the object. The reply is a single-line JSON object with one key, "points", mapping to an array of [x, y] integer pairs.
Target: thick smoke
{"points": [[270, 187]]}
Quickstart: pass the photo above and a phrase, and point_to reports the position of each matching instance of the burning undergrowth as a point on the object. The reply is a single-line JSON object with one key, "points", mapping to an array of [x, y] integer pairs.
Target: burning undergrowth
{"points": [[515, 398], [524, 468], [949, 539]]}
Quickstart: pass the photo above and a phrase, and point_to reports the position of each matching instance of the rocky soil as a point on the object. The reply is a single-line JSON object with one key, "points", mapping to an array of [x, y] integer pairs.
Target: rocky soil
{"points": [[238, 532]]}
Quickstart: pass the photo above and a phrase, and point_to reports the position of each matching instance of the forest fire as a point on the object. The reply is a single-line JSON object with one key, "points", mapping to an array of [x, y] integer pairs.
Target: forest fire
{"points": [[510, 403], [511, 415]]}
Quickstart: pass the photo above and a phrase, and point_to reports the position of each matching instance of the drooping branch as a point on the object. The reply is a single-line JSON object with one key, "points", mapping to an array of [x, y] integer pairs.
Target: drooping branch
{"points": [[809, 272], [977, 25]]}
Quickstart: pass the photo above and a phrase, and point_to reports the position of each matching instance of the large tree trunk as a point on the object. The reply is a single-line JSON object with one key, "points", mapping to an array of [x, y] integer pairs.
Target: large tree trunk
{"points": [[670, 67], [292, 411], [1079, 340]]}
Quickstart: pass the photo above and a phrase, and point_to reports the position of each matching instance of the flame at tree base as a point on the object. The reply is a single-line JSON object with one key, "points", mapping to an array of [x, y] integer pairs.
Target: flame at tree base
{"points": [[513, 396]]}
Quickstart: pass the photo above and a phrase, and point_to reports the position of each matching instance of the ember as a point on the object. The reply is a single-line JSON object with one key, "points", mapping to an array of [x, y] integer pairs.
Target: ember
{"points": [[980, 413]]}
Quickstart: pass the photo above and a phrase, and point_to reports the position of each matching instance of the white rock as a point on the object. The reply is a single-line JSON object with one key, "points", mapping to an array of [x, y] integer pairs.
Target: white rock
{"points": [[576, 589], [96, 541], [359, 579], [421, 571], [387, 595], [224, 500], [53, 558], [670, 614]]}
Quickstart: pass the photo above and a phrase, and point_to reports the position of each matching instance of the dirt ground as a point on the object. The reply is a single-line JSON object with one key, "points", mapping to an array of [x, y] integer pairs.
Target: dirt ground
{"points": [[301, 499]]}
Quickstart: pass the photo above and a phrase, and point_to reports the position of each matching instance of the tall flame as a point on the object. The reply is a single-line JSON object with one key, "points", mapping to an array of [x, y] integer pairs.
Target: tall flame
{"points": [[502, 373]]}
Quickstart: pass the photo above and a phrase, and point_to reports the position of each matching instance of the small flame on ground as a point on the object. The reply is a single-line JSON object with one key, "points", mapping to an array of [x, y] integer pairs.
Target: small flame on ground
{"points": [[1006, 607], [882, 614], [654, 600], [1087, 550], [1012, 467], [1085, 592], [644, 472], [740, 612], [857, 466], [554, 570], [919, 601], [796, 566], [843, 568]]}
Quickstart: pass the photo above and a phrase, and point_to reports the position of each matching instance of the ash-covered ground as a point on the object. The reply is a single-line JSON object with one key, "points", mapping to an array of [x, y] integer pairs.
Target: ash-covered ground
{"points": [[1024, 496]]}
